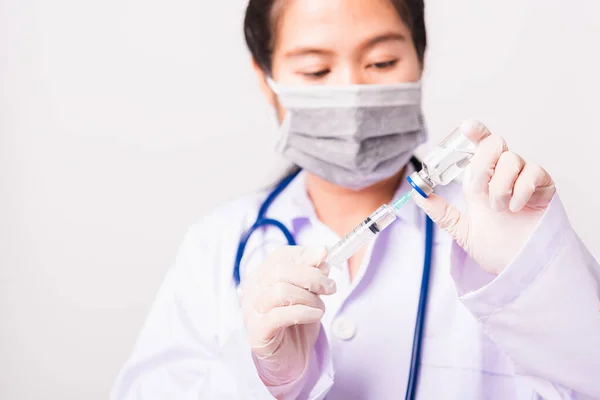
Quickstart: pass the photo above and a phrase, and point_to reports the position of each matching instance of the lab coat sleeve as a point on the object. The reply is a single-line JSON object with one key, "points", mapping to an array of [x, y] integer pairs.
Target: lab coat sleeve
{"points": [[181, 352], [543, 310]]}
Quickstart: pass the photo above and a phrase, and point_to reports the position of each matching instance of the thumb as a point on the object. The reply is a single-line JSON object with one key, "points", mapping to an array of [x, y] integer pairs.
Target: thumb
{"points": [[446, 216], [312, 255]]}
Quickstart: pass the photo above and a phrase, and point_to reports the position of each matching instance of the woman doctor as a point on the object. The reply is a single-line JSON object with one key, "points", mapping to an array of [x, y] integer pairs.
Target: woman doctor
{"points": [[513, 310]]}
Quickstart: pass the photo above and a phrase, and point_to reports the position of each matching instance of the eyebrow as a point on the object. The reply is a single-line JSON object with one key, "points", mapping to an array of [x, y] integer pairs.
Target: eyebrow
{"points": [[386, 37], [304, 51]]}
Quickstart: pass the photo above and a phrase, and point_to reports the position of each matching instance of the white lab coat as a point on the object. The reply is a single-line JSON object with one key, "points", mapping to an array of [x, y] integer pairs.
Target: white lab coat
{"points": [[532, 331]]}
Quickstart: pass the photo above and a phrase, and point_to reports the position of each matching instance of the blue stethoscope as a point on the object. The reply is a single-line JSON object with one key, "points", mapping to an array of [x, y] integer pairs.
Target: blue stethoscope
{"points": [[263, 221]]}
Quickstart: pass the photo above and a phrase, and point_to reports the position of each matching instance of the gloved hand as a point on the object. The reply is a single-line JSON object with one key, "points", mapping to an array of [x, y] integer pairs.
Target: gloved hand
{"points": [[505, 196], [282, 312]]}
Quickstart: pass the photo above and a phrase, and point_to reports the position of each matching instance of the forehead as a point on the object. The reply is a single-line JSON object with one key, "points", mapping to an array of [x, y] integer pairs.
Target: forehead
{"points": [[334, 23]]}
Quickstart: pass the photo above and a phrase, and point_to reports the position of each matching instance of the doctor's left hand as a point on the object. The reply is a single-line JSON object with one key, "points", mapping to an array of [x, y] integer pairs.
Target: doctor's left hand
{"points": [[505, 197]]}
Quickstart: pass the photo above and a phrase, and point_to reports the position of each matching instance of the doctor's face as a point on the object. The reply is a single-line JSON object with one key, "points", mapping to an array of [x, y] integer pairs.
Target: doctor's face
{"points": [[340, 42]]}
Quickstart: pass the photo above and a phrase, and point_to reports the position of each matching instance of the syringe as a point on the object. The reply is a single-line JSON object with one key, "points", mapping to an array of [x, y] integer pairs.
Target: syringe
{"points": [[440, 167], [367, 230]]}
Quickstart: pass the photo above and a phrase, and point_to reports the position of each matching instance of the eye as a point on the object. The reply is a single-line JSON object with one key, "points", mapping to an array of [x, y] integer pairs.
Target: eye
{"points": [[383, 64], [316, 74]]}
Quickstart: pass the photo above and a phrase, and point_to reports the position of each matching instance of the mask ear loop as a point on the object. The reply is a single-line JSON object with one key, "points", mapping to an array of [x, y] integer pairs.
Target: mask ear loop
{"points": [[273, 85]]}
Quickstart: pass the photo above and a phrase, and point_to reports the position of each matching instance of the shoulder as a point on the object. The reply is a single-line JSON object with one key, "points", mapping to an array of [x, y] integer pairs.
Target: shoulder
{"points": [[227, 221], [205, 259]]}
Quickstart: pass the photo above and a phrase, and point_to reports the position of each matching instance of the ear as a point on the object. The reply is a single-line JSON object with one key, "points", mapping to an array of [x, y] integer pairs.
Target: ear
{"points": [[270, 96]]}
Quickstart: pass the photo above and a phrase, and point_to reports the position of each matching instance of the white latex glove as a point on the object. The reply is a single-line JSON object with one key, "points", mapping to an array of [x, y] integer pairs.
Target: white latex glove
{"points": [[505, 196], [282, 312]]}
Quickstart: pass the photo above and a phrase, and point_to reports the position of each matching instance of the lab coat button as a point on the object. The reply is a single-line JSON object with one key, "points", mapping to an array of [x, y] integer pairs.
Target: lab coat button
{"points": [[343, 328]]}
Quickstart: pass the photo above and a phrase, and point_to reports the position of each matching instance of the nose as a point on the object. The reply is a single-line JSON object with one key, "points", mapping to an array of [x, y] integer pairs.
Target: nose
{"points": [[349, 75]]}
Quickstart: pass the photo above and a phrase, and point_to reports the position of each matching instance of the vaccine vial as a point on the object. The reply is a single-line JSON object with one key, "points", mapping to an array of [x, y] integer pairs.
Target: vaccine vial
{"points": [[444, 163]]}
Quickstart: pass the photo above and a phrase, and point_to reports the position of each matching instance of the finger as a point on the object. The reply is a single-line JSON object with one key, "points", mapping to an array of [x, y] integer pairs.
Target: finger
{"points": [[283, 294], [474, 130], [483, 163], [302, 276], [325, 268], [282, 317], [534, 188], [446, 216], [312, 255], [507, 171], [316, 257]]}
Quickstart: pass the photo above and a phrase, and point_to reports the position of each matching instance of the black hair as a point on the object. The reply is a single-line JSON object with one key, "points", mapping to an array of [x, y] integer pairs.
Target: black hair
{"points": [[261, 17]]}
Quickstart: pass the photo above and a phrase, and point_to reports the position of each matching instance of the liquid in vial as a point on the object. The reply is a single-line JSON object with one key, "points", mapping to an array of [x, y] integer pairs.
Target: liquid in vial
{"points": [[444, 163]]}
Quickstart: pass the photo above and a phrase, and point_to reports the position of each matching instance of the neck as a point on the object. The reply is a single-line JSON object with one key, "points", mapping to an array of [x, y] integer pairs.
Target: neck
{"points": [[341, 209]]}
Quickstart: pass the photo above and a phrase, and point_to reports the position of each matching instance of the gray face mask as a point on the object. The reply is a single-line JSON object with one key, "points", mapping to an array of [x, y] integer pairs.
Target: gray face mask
{"points": [[352, 136]]}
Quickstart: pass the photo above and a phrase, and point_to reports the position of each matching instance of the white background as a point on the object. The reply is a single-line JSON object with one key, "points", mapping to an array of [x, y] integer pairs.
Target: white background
{"points": [[122, 121]]}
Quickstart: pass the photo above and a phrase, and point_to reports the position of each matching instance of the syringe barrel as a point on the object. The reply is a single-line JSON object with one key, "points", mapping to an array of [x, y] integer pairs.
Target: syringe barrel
{"points": [[368, 229]]}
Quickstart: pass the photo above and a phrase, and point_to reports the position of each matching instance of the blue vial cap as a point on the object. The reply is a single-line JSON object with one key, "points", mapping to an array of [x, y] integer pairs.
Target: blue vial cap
{"points": [[416, 187]]}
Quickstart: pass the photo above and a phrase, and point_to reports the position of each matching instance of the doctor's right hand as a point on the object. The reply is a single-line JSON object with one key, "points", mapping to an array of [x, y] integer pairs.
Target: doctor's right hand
{"points": [[282, 312]]}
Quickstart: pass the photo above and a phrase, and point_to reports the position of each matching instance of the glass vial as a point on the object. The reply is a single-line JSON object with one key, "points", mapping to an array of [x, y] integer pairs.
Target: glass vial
{"points": [[444, 163]]}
